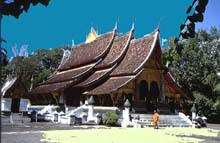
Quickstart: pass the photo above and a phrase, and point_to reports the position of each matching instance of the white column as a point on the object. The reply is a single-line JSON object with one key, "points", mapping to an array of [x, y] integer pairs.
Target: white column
{"points": [[91, 117], [193, 115], [126, 115], [90, 111]]}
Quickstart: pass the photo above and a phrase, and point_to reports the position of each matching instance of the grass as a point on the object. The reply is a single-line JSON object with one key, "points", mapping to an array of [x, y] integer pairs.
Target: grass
{"points": [[129, 135]]}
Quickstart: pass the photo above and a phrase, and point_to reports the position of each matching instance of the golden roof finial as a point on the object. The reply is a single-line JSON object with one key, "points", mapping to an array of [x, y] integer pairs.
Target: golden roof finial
{"points": [[91, 36]]}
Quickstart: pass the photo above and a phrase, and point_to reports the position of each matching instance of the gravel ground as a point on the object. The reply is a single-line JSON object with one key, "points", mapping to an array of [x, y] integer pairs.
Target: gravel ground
{"points": [[214, 126], [34, 137], [31, 132]]}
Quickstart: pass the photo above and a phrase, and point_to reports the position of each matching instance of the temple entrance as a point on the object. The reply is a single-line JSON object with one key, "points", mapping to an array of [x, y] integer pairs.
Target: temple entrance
{"points": [[72, 97], [154, 93], [107, 101], [15, 104], [143, 88]]}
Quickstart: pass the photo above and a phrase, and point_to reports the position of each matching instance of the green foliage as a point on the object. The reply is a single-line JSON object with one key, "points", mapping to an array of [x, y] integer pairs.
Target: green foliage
{"points": [[110, 118], [203, 104], [3, 56], [37, 67], [195, 65]]}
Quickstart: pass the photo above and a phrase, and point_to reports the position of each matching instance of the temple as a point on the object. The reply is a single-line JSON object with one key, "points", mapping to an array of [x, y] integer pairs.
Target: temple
{"points": [[112, 68], [14, 96]]}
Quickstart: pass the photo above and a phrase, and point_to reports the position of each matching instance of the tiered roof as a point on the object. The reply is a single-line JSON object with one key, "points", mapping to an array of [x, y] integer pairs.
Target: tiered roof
{"points": [[133, 62], [136, 56], [50, 88], [79, 64], [87, 53], [103, 65], [108, 64]]}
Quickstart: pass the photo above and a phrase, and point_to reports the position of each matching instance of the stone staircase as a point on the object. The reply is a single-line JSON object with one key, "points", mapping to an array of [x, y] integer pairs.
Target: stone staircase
{"points": [[146, 120], [14, 118], [97, 109]]}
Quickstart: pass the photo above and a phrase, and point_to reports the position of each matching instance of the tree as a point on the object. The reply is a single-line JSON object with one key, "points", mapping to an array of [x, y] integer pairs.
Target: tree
{"points": [[3, 56], [16, 7], [195, 65], [37, 67], [187, 29]]}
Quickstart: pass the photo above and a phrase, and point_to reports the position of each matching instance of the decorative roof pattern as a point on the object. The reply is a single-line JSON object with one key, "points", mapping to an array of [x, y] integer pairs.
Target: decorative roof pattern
{"points": [[63, 61], [8, 84], [172, 84], [111, 85], [94, 77], [117, 49], [69, 74], [88, 53], [137, 54], [49, 88], [131, 65], [114, 61]]}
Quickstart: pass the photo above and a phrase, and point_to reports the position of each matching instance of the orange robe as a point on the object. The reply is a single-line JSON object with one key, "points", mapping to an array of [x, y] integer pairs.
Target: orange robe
{"points": [[155, 118]]}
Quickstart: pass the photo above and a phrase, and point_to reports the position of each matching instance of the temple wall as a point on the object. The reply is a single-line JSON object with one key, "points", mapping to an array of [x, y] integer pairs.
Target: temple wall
{"points": [[132, 88], [148, 75]]}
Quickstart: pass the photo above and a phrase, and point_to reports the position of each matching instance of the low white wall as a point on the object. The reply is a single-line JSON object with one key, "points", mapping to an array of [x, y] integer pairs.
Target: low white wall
{"points": [[6, 104]]}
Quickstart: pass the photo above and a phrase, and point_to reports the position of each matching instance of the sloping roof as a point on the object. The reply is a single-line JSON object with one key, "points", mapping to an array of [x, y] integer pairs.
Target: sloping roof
{"points": [[80, 63], [7, 85], [172, 84], [87, 53], [63, 61], [48, 88], [14, 88], [137, 54], [94, 77], [111, 85], [132, 64], [104, 65], [69, 74], [115, 55], [119, 47]]}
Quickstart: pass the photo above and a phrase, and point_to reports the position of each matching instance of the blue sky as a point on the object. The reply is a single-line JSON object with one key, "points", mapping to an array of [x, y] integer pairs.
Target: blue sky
{"points": [[212, 15], [62, 21]]}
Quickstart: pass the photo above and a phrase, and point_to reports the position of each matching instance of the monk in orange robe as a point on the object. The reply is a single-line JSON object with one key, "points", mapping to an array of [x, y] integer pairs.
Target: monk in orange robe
{"points": [[155, 119]]}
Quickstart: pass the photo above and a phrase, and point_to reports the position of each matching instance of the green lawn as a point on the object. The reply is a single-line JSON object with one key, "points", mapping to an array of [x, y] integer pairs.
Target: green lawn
{"points": [[129, 135]]}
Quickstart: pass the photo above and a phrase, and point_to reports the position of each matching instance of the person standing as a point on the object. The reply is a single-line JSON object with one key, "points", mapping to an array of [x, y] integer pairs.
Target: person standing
{"points": [[155, 119]]}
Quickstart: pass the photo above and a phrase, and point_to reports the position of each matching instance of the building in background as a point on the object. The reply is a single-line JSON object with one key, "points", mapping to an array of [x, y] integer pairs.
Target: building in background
{"points": [[14, 96]]}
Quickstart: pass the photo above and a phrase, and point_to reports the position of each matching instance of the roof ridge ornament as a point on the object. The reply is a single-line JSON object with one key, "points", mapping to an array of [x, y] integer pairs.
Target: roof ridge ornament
{"points": [[116, 25], [73, 43], [132, 27], [66, 52], [91, 36], [158, 26]]}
